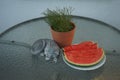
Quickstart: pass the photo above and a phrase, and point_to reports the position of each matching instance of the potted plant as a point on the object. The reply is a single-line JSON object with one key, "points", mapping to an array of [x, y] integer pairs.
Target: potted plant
{"points": [[62, 28]]}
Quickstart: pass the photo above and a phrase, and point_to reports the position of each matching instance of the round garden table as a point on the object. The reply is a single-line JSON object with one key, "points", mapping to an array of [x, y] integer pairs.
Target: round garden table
{"points": [[17, 62]]}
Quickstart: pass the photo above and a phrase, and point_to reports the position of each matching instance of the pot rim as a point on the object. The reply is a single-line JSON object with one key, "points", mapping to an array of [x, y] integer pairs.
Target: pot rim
{"points": [[74, 27]]}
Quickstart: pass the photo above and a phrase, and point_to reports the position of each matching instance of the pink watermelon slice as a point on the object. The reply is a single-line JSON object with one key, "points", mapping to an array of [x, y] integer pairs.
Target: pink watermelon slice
{"points": [[84, 54]]}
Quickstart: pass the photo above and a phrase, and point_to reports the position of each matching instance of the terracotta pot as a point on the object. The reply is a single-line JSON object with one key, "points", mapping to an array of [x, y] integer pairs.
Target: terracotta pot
{"points": [[63, 38]]}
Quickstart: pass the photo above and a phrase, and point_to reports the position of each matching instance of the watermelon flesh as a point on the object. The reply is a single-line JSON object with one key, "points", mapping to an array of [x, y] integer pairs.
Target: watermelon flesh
{"points": [[82, 45], [84, 54]]}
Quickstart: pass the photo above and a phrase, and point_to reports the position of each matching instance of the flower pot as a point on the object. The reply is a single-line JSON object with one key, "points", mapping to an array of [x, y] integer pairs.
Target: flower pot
{"points": [[63, 38]]}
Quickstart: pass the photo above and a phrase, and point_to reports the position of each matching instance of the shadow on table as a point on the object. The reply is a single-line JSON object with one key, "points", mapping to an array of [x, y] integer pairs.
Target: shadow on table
{"points": [[78, 75], [60, 71]]}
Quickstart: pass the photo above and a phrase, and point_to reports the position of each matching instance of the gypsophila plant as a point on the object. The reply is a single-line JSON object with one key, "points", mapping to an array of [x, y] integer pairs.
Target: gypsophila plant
{"points": [[59, 19]]}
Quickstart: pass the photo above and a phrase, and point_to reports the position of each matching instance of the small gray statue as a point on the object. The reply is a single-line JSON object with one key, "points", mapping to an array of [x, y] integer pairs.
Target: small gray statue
{"points": [[47, 48]]}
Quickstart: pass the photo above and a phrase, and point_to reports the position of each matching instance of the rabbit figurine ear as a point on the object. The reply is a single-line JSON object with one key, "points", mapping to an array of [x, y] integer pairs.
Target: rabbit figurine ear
{"points": [[38, 47]]}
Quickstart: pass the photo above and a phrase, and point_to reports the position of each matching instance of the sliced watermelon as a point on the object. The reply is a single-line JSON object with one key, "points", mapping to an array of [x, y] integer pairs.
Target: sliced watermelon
{"points": [[84, 54], [82, 45]]}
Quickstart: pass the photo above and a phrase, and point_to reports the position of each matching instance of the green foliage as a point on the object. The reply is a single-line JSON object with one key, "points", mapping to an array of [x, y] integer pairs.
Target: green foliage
{"points": [[59, 19]]}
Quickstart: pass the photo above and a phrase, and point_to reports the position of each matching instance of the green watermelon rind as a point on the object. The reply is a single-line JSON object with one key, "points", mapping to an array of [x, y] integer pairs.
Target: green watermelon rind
{"points": [[91, 64], [80, 65]]}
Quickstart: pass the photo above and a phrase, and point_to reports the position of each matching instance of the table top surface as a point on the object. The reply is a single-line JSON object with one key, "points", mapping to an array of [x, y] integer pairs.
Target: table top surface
{"points": [[17, 63]]}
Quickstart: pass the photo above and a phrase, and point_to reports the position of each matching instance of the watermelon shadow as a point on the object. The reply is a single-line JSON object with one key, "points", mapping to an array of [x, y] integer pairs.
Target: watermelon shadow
{"points": [[73, 74]]}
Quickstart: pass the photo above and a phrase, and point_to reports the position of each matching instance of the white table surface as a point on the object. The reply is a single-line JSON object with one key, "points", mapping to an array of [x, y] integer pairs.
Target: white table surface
{"points": [[13, 12]]}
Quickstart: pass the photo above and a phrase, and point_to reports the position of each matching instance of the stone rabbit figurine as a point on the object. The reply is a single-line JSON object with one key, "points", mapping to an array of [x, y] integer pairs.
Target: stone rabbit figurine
{"points": [[47, 48]]}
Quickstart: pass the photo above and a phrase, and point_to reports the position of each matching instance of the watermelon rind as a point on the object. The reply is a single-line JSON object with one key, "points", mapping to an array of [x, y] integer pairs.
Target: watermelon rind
{"points": [[90, 64], [87, 68], [82, 65]]}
